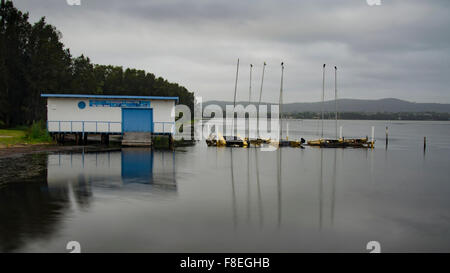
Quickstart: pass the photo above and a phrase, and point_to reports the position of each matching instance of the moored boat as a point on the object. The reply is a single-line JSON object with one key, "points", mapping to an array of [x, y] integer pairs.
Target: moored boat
{"points": [[338, 142], [341, 143], [236, 142], [216, 140]]}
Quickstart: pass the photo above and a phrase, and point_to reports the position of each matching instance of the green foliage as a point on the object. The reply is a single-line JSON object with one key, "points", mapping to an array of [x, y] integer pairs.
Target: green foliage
{"points": [[161, 142], [33, 60], [37, 133]]}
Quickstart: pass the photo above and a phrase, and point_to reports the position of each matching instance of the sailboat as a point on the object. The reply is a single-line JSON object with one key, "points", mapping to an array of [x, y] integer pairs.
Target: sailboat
{"points": [[231, 140], [258, 141], [322, 142], [285, 142], [281, 141], [337, 142], [216, 140]]}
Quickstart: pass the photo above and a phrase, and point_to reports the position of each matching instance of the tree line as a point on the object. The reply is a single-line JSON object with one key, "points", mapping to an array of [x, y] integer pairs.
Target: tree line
{"points": [[33, 60]]}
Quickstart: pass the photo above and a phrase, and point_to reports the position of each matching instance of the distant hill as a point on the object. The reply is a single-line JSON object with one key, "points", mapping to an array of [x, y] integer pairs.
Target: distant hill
{"points": [[390, 105]]}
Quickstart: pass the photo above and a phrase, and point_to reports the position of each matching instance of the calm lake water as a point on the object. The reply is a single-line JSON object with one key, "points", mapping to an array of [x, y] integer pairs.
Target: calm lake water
{"points": [[200, 199]]}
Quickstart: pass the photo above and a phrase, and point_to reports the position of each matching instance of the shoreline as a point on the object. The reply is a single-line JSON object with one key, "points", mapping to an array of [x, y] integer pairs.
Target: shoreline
{"points": [[18, 150], [24, 149]]}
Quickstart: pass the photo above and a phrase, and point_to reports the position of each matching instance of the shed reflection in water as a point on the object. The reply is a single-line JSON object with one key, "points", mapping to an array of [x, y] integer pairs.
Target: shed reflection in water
{"points": [[108, 170], [35, 209]]}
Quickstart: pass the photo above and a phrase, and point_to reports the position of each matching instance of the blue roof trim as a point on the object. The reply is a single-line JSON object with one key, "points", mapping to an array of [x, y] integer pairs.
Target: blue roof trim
{"points": [[108, 97]]}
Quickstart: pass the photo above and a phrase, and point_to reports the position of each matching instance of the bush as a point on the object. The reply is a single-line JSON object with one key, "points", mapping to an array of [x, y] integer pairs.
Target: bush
{"points": [[37, 132], [161, 142]]}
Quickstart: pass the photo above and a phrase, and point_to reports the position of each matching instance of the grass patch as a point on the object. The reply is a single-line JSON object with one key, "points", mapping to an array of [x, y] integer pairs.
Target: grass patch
{"points": [[36, 133], [11, 136]]}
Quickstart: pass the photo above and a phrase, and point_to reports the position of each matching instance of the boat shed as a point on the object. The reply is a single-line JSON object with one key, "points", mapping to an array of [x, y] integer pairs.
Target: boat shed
{"points": [[110, 114]]}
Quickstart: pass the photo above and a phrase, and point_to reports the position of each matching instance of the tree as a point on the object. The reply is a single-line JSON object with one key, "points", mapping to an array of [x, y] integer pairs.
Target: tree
{"points": [[14, 32], [33, 60], [48, 69]]}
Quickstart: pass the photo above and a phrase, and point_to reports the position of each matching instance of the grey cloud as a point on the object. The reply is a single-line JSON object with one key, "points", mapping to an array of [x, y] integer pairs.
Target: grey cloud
{"points": [[400, 49]]}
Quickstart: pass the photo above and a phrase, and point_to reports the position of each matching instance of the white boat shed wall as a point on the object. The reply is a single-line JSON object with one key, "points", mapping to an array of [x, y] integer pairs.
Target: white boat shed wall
{"points": [[64, 114]]}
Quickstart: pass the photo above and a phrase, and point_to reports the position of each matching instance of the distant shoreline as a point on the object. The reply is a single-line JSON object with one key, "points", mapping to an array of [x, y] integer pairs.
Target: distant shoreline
{"points": [[371, 119], [364, 116], [387, 105], [401, 116]]}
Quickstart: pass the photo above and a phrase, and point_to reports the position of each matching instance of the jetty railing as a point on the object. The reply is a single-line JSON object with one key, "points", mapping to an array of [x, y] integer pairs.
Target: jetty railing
{"points": [[84, 126], [109, 127], [163, 127]]}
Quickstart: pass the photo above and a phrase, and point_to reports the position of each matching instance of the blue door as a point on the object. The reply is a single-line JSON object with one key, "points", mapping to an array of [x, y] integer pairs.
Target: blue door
{"points": [[137, 120]]}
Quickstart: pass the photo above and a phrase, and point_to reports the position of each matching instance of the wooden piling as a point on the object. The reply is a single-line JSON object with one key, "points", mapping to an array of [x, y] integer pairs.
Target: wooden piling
{"points": [[171, 142], [387, 136], [424, 143], [103, 138]]}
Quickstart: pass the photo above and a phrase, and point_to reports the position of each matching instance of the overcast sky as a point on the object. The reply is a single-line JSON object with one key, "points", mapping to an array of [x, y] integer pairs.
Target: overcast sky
{"points": [[399, 49]]}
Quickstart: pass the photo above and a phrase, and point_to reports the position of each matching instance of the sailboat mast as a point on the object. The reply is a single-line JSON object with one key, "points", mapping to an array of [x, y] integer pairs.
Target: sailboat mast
{"points": [[335, 100], [249, 100], [235, 83], [235, 90], [234, 100], [323, 97], [281, 100], [259, 101], [250, 86]]}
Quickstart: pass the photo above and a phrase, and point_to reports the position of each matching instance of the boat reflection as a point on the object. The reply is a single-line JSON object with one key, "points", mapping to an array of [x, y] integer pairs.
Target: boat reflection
{"points": [[258, 186]]}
